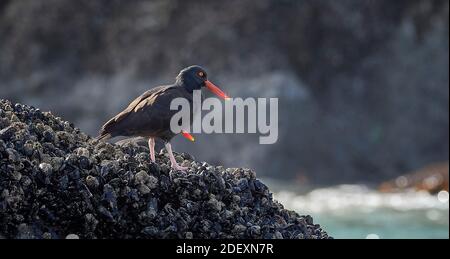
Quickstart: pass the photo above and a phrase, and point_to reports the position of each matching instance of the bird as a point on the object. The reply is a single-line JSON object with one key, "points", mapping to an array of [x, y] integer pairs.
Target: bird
{"points": [[149, 115]]}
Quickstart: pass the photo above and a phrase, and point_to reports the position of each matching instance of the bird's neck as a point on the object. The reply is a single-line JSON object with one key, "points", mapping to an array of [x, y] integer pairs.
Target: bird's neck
{"points": [[190, 86]]}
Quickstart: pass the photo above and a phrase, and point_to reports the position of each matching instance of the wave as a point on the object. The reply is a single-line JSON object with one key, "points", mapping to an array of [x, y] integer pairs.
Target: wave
{"points": [[360, 197]]}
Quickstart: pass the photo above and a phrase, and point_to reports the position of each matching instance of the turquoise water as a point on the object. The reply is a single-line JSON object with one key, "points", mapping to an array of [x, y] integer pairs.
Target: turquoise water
{"points": [[385, 224], [356, 211]]}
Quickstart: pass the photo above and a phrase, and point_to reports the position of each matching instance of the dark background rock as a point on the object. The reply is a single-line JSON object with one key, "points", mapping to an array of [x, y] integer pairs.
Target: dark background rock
{"points": [[363, 85]]}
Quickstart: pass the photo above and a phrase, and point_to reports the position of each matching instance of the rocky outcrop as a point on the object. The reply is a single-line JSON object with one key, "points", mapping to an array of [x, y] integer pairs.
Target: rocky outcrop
{"points": [[57, 182], [432, 178]]}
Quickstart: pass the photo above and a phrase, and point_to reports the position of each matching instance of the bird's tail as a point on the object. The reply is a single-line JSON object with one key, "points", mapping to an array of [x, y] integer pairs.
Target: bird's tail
{"points": [[104, 136]]}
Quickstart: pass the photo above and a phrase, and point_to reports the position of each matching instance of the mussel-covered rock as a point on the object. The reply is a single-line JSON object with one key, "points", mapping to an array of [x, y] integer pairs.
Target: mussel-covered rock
{"points": [[57, 182]]}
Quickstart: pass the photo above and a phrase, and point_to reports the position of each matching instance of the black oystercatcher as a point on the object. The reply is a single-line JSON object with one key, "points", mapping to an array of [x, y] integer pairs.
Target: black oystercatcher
{"points": [[149, 115]]}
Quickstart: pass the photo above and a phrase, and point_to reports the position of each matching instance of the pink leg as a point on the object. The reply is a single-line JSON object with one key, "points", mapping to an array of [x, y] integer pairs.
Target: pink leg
{"points": [[151, 146], [172, 159]]}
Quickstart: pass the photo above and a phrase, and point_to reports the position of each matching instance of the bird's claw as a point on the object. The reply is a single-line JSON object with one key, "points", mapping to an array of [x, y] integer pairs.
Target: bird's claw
{"points": [[180, 168]]}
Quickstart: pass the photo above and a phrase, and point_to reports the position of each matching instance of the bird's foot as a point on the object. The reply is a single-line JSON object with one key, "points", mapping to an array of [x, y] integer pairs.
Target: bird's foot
{"points": [[179, 168], [173, 161]]}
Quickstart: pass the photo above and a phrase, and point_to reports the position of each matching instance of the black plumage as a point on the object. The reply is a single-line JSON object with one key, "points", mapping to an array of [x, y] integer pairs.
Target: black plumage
{"points": [[149, 115]]}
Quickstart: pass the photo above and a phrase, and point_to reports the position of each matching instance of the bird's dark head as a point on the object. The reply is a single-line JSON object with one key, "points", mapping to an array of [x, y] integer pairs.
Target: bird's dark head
{"points": [[195, 77]]}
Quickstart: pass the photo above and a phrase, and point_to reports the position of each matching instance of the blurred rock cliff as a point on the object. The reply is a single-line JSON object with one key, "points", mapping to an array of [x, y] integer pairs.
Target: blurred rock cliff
{"points": [[362, 85]]}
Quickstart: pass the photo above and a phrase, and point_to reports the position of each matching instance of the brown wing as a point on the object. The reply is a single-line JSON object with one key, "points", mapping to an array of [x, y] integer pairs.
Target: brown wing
{"points": [[147, 115], [112, 127]]}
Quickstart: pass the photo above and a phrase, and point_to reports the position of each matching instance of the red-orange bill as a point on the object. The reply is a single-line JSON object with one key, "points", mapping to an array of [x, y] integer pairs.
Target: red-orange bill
{"points": [[187, 135], [216, 90]]}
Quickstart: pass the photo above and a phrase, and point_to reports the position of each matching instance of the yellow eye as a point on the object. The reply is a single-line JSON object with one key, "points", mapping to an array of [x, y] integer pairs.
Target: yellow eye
{"points": [[201, 74]]}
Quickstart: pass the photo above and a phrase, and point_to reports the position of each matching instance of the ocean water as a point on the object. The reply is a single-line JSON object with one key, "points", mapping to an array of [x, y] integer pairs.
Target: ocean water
{"points": [[359, 212]]}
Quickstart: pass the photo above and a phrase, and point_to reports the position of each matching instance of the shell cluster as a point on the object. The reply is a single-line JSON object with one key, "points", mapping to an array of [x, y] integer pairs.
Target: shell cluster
{"points": [[57, 182]]}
